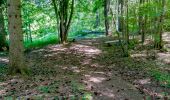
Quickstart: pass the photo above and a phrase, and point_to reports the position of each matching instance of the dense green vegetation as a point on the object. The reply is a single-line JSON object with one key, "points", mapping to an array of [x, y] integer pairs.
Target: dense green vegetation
{"points": [[85, 49]]}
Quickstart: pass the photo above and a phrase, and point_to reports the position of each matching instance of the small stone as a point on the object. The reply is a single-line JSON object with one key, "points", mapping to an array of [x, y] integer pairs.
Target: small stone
{"points": [[96, 93]]}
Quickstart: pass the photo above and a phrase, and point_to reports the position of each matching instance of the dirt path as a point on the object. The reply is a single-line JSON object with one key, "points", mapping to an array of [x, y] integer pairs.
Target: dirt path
{"points": [[81, 58], [86, 68]]}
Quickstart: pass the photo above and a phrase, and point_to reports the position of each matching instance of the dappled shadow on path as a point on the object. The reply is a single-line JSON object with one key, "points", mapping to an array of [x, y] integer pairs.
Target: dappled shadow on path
{"points": [[86, 67], [83, 61]]}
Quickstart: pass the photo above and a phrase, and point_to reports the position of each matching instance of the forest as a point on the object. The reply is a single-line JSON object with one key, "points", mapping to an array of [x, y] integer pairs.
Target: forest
{"points": [[84, 49]]}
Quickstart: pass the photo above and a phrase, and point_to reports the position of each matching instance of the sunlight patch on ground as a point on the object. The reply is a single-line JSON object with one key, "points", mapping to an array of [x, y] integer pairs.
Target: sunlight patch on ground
{"points": [[37, 51], [167, 47], [50, 55], [164, 57], [143, 81], [86, 61], [93, 83], [73, 69], [4, 60], [166, 37], [94, 79], [99, 73], [3, 84], [138, 55], [108, 93], [86, 49], [2, 92], [147, 42], [58, 48]]}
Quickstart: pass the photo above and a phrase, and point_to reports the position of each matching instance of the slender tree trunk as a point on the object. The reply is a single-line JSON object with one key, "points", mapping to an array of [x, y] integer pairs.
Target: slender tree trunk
{"points": [[127, 22], [16, 52], [106, 16], [141, 22], [2, 30], [64, 12], [30, 35], [126, 30], [57, 16], [123, 26], [158, 42], [97, 19], [120, 15]]}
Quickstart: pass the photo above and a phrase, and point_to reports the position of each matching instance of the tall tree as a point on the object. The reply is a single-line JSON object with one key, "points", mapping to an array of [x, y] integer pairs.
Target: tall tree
{"points": [[2, 28], [158, 38], [122, 25], [106, 11], [64, 12], [126, 29], [16, 50], [120, 14], [141, 20]]}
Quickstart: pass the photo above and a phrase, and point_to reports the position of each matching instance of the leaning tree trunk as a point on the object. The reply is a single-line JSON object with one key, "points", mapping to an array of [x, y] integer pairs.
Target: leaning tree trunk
{"points": [[2, 30], [16, 50]]}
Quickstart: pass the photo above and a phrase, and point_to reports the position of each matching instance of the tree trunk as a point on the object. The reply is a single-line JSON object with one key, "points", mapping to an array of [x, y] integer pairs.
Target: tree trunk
{"points": [[158, 42], [57, 16], [64, 12], [126, 30], [120, 15], [2, 30], [97, 19], [16, 50], [141, 22], [106, 16]]}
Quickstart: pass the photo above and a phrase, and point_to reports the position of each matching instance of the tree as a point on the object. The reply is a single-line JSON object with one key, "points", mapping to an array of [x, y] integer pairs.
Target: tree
{"points": [[158, 38], [64, 12], [123, 28], [2, 28], [141, 20], [16, 50], [106, 16], [120, 14]]}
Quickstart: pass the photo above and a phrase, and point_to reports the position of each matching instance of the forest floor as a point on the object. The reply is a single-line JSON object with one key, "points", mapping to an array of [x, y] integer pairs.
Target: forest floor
{"points": [[91, 70]]}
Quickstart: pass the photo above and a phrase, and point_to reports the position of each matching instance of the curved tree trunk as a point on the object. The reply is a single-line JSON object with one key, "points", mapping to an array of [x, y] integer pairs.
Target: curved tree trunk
{"points": [[16, 50]]}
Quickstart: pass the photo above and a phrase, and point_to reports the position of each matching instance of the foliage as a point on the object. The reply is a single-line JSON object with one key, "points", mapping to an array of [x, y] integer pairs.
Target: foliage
{"points": [[162, 77], [42, 41]]}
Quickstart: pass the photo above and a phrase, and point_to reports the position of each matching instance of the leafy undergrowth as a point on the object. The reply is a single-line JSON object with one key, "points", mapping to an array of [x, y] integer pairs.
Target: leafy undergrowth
{"points": [[162, 77], [89, 69]]}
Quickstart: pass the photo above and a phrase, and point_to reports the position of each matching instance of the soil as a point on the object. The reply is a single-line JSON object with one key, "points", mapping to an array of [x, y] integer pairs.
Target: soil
{"points": [[87, 68]]}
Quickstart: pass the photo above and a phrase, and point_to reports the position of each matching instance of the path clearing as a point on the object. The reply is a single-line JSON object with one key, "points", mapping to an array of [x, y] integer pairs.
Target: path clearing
{"points": [[86, 68]]}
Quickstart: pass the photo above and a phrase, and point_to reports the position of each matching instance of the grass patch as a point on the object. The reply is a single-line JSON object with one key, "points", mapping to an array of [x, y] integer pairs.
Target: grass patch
{"points": [[43, 41], [162, 77]]}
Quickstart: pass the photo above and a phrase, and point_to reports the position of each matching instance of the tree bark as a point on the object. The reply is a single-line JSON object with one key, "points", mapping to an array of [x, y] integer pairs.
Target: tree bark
{"points": [[64, 12], [2, 30], [141, 22], [16, 49], [106, 16], [158, 42], [120, 15]]}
